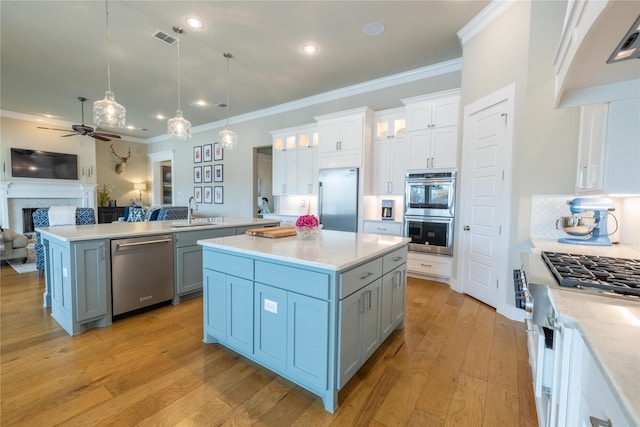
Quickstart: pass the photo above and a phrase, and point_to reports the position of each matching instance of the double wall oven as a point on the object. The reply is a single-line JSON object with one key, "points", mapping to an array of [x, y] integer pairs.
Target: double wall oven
{"points": [[429, 210]]}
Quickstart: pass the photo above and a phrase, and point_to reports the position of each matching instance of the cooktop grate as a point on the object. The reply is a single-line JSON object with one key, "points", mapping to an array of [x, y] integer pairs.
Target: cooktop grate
{"points": [[602, 274]]}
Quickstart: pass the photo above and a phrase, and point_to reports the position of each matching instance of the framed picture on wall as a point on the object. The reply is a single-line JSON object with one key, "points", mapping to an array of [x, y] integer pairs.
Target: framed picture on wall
{"points": [[208, 196], [217, 173], [197, 174], [217, 151], [207, 152], [197, 154], [207, 173], [197, 193], [218, 194]]}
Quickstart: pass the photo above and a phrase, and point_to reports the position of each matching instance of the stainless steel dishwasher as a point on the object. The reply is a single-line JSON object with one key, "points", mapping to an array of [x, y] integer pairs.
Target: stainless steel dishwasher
{"points": [[141, 272]]}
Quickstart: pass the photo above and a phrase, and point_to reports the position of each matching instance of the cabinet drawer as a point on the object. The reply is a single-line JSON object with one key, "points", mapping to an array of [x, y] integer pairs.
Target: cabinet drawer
{"points": [[394, 259], [293, 279], [432, 265], [383, 227], [228, 264], [360, 276]]}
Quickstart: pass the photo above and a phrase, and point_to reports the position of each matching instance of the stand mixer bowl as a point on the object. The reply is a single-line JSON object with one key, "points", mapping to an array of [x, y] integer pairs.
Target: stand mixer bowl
{"points": [[576, 225]]}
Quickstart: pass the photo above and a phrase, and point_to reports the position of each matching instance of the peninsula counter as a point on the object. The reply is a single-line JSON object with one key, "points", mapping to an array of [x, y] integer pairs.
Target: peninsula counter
{"points": [[313, 311], [78, 284]]}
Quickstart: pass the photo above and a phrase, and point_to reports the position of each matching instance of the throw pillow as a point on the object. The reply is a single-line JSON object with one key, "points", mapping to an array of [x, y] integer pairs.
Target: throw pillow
{"points": [[135, 215]]}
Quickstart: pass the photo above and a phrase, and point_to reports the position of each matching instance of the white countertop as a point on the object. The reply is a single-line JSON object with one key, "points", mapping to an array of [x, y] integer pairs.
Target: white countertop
{"points": [[334, 250], [123, 229], [610, 327], [616, 251]]}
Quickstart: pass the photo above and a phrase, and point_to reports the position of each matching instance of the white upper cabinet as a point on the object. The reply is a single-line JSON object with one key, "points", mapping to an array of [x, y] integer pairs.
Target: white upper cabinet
{"points": [[389, 124], [343, 137], [609, 151], [435, 148], [390, 152], [295, 169], [284, 163], [432, 111], [307, 161]]}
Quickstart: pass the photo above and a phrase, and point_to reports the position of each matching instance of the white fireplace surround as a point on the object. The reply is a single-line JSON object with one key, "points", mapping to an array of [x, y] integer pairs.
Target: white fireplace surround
{"points": [[16, 195]]}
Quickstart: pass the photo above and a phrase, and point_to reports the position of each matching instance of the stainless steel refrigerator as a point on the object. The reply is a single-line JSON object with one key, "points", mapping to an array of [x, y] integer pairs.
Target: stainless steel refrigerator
{"points": [[338, 199]]}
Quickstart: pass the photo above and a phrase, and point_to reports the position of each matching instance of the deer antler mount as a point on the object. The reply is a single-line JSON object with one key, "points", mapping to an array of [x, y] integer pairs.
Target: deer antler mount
{"points": [[121, 167]]}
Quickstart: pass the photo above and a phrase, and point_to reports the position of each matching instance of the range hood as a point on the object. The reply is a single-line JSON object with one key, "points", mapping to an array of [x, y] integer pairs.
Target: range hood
{"points": [[593, 30]]}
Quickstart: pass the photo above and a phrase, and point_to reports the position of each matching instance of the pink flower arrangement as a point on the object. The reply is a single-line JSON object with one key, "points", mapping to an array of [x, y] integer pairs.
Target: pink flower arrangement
{"points": [[307, 221]]}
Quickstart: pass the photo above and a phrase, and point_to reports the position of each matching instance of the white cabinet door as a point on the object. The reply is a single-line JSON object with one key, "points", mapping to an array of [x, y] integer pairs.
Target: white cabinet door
{"points": [[352, 136], [400, 160], [381, 166], [444, 147], [435, 148], [429, 113], [593, 129], [444, 112], [306, 170]]}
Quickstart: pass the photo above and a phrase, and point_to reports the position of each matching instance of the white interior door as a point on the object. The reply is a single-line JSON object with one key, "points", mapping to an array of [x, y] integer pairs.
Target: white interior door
{"points": [[484, 200]]}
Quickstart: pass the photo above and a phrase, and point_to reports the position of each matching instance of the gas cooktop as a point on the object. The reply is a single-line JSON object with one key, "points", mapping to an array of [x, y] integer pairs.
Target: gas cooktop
{"points": [[617, 276]]}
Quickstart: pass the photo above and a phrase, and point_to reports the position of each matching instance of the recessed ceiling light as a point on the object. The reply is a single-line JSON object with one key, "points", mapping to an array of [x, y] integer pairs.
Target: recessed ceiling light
{"points": [[194, 22], [373, 28], [160, 117], [199, 103], [310, 49], [130, 127], [49, 116]]}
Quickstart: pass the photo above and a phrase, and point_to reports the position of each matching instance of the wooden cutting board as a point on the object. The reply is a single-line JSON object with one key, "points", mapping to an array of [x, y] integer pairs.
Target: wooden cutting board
{"points": [[273, 232]]}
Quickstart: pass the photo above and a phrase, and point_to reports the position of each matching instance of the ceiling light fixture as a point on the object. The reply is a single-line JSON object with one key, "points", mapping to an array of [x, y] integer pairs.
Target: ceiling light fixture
{"points": [[310, 49], [194, 22], [179, 127], [373, 29], [108, 112], [228, 138]]}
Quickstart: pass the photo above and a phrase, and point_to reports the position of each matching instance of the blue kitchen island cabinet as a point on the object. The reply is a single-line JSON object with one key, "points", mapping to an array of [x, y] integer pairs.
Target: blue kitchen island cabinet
{"points": [[308, 310]]}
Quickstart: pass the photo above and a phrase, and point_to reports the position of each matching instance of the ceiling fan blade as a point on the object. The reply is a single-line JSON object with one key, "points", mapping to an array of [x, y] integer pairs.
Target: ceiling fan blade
{"points": [[71, 134], [107, 135], [99, 137], [63, 130]]}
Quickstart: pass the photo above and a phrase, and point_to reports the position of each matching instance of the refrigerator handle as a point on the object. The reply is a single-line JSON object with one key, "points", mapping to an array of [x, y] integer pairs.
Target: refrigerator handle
{"points": [[320, 202]]}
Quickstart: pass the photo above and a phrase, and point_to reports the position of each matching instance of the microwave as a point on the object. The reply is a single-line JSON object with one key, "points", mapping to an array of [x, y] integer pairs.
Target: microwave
{"points": [[429, 234]]}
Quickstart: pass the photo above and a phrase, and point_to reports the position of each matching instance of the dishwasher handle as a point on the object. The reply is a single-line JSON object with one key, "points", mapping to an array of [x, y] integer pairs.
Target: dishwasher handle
{"points": [[146, 242]]}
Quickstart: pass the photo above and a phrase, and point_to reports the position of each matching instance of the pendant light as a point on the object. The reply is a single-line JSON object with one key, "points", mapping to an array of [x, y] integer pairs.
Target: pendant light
{"points": [[179, 127], [228, 138], [108, 112]]}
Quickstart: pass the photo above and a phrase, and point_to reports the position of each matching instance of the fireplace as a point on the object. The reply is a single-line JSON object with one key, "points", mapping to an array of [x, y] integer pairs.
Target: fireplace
{"points": [[27, 220], [18, 196]]}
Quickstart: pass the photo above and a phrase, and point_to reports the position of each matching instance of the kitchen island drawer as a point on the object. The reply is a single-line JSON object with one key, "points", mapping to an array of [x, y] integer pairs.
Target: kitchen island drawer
{"points": [[358, 277], [229, 264], [298, 280], [394, 259]]}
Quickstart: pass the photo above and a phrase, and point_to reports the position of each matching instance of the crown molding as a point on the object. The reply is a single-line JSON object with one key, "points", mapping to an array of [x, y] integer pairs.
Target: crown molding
{"points": [[422, 73], [486, 16]]}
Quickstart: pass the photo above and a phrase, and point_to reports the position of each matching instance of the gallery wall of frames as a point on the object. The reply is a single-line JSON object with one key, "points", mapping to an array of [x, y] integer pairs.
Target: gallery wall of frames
{"points": [[208, 175]]}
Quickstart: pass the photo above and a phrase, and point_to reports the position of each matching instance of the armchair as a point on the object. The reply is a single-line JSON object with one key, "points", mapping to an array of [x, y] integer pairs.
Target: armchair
{"points": [[173, 212], [84, 216], [14, 245]]}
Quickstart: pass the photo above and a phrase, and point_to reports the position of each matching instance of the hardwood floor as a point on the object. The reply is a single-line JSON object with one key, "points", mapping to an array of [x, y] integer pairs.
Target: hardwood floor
{"points": [[456, 363]]}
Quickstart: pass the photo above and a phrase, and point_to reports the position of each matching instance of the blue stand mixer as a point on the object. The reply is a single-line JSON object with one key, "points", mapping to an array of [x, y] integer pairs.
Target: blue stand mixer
{"points": [[589, 230]]}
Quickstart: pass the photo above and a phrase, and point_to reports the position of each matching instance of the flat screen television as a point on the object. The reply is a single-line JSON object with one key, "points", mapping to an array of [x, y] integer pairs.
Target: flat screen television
{"points": [[26, 163]]}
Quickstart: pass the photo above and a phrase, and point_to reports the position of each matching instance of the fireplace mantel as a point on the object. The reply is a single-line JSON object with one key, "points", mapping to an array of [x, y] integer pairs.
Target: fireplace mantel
{"points": [[81, 194]]}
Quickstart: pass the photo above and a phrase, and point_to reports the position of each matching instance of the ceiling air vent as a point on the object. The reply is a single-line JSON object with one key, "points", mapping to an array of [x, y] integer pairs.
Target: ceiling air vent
{"points": [[629, 47], [167, 38]]}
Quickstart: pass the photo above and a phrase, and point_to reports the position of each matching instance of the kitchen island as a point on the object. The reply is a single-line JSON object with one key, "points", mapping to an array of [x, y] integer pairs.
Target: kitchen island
{"points": [[78, 276], [313, 311]]}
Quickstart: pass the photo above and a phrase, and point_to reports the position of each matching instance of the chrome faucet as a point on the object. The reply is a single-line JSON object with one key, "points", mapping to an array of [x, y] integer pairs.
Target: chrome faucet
{"points": [[190, 210]]}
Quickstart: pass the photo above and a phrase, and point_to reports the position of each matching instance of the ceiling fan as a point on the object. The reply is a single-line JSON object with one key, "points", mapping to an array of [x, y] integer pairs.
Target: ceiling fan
{"points": [[85, 130]]}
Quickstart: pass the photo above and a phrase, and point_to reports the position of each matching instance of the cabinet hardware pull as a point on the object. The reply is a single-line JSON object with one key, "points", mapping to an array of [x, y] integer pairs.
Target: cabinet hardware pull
{"points": [[597, 422], [369, 299], [425, 265], [365, 275], [381, 229], [151, 242], [396, 259], [337, 146]]}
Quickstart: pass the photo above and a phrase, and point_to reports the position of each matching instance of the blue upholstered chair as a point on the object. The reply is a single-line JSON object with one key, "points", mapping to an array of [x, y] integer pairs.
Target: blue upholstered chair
{"points": [[84, 216], [173, 212]]}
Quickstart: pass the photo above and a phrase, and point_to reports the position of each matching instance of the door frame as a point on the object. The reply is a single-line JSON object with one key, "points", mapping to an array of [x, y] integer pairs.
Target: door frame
{"points": [[156, 159], [506, 95]]}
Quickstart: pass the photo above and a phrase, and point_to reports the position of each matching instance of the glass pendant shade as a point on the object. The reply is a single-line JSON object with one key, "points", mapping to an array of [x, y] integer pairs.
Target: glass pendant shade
{"points": [[109, 113], [179, 127], [228, 138]]}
